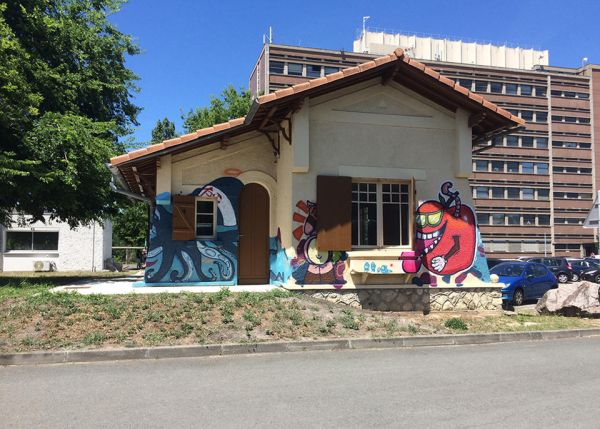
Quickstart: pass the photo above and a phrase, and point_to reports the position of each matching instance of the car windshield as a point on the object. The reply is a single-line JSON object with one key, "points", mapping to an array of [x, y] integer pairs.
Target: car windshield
{"points": [[594, 264], [508, 270]]}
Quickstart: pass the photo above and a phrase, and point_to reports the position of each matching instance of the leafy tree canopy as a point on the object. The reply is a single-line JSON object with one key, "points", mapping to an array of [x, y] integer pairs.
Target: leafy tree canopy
{"points": [[129, 225], [232, 104], [163, 130], [65, 99]]}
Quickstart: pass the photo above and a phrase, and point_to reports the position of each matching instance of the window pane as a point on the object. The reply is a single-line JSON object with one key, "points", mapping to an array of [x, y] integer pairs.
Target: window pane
{"points": [[526, 89], [481, 192], [404, 223], [204, 207], [513, 219], [203, 230], [544, 220], [540, 91], [294, 69], [512, 167], [498, 218], [527, 115], [45, 240], [483, 218], [498, 166], [330, 70], [512, 141], [527, 141], [368, 224], [543, 194], [496, 87], [481, 165], [541, 142], [204, 218], [511, 88], [18, 240], [527, 167], [364, 214], [541, 117], [528, 219], [276, 67], [542, 168], [466, 83], [498, 193], [313, 71], [528, 193], [391, 224], [513, 193], [481, 85]]}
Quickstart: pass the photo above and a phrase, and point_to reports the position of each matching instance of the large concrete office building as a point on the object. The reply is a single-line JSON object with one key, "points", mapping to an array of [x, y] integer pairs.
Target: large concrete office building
{"points": [[532, 188]]}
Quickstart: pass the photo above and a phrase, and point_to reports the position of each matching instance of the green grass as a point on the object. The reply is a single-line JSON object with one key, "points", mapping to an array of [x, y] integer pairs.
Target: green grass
{"points": [[33, 318]]}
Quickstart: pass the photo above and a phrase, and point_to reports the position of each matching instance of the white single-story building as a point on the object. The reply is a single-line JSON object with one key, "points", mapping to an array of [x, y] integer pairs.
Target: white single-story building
{"points": [[54, 246], [352, 183]]}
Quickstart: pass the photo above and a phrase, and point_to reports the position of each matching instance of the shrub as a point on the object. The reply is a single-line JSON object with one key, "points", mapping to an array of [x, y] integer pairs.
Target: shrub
{"points": [[456, 323]]}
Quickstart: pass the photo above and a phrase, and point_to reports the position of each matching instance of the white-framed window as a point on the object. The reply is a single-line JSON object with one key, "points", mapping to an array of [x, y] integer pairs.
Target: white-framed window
{"points": [[206, 217], [381, 214], [31, 240]]}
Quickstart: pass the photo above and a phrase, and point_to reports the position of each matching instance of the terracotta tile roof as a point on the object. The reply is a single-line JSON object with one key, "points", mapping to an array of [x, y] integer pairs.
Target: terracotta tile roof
{"points": [[397, 55]]}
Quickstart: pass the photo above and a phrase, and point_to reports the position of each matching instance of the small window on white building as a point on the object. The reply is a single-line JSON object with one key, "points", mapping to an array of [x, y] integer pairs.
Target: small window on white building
{"points": [[206, 218], [31, 241]]}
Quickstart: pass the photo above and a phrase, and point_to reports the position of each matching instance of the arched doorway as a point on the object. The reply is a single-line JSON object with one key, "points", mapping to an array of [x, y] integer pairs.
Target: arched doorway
{"points": [[253, 224]]}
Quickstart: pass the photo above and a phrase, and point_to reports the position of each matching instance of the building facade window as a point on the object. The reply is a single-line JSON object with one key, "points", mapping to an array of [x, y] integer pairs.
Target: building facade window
{"points": [[526, 141], [31, 241], [513, 219], [528, 219], [498, 193], [313, 70], [541, 142], [276, 67], [294, 69], [482, 192], [481, 86], [380, 214], [206, 218], [512, 141], [483, 218], [540, 91], [527, 168], [331, 70], [526, 90], [498, 219], [496, 87], [541, 168], [541, 117], [498, 166], [481, 165], [513, 193], [511, 88], [512, 167], [528, 194]]}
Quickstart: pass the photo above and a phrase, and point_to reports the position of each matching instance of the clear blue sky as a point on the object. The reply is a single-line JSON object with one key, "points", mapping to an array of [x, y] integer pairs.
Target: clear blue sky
{"points": [[192, 49]]}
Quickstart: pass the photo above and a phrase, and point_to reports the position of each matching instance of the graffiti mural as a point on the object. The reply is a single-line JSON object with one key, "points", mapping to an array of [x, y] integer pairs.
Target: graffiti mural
{"points": [[310, 265], [448, 245], [280, 269], [196, 261]]}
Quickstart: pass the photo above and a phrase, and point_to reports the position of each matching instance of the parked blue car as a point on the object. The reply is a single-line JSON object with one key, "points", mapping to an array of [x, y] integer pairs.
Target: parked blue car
{"points": [[524, 281]]}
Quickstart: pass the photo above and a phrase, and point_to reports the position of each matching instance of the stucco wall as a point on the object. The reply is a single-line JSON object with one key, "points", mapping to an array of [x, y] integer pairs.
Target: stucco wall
{"points": [[80, 249]]}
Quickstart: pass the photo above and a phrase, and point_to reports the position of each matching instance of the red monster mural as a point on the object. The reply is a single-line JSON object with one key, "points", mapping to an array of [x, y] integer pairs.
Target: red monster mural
{"points": [[446, 235]]}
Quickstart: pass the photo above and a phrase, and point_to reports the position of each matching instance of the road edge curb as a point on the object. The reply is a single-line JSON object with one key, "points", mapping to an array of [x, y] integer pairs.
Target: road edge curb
{"points": [[199, 350]]}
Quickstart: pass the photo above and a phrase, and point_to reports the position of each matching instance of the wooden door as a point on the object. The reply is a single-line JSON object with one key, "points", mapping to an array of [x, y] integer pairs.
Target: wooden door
{"points": [[253, 223]]}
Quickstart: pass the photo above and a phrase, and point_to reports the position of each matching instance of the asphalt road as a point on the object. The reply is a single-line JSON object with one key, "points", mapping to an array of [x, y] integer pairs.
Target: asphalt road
{"points": [[537, 384]]}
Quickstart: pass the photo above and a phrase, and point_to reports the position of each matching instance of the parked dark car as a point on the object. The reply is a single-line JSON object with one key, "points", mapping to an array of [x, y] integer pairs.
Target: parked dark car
{"points": [[592, 274], [559, 266], [492, 262], [579, 266], [523, 281]]}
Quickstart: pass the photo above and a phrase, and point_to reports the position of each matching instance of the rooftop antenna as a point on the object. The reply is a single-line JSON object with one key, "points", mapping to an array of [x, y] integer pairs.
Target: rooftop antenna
{"points": [[364, 33], [270, 36]]}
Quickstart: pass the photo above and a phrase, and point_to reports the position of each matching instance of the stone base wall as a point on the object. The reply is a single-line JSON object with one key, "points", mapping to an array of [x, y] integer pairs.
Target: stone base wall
{"points": [[415, 299]]}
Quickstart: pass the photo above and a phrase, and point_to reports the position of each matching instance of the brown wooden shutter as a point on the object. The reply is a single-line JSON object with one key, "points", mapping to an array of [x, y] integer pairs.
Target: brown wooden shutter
{"points": [[184, 217], [334, 213]]}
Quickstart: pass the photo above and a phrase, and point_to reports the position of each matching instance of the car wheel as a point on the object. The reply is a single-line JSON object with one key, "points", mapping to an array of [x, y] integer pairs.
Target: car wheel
{"points": [[575, 278], [597, 278], [518, 297], [562, 278]]}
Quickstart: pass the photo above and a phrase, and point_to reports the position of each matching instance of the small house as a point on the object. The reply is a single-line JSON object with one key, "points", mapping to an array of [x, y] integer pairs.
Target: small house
{"points": [[353, 185]]}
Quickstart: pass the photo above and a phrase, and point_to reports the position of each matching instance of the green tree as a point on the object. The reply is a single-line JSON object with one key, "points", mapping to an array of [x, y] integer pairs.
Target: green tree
{"points": [[130, 224], [65, 101], [232, 104], [163, 130]]}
